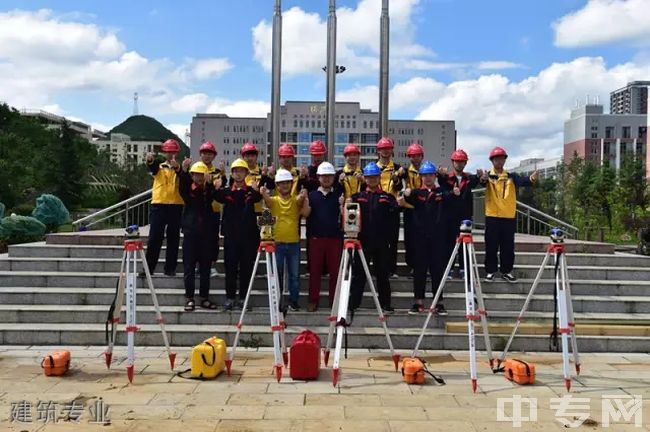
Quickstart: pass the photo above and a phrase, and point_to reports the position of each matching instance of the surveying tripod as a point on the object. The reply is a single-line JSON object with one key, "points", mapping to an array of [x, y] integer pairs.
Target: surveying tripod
{"points": [[473, 293], [564, 307], [133, 252], [267, 246], [338, 317]]}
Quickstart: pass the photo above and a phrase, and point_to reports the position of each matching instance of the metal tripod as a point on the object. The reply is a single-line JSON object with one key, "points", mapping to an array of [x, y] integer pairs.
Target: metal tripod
{"points": [[473, 293], [267, 246], [564, 307], [338, 316], [133, 252]]}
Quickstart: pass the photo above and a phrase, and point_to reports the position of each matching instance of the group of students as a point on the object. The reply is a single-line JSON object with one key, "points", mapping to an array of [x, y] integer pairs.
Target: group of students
{"points": [[199, 199]]}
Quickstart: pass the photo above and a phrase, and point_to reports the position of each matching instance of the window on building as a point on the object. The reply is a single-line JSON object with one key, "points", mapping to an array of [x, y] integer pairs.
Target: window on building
{"points": [[372, 124], [365, 124], [594, 135], [643, 130], [302, 124], [626, 132], [284, 123], [354, 124], [313, 124], [295, 123], [348, 123], [609, 132], [319, 124]]}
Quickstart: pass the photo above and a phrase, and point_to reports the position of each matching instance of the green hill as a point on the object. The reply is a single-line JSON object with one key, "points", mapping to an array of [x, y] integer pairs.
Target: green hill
{"points": [[145, 128]]}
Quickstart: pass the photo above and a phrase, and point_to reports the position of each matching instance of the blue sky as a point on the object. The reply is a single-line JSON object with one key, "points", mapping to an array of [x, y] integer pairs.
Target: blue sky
{"points": [[507, 71]]}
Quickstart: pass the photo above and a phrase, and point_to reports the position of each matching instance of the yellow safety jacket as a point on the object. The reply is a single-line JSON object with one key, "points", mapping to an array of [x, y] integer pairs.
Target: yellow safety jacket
{"points": [[413, 181], [165, 184], [351, 184], [386, 177], [501, 193], [216, 173]]}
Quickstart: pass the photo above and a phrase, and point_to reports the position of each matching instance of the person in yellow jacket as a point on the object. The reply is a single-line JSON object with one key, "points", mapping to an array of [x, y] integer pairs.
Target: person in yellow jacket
{"points": [[500, 215], [351, 176], [166, 209], [286, 155], [412, 180], [261, 176], [390, 183]]}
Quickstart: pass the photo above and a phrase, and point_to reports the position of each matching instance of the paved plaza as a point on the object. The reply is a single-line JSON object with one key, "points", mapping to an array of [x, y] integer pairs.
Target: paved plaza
{"points": [[371, 395]]}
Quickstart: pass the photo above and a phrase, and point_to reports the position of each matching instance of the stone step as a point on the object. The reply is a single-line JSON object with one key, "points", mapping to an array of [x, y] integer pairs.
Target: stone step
{"points": [[50, 313], [253, 336], [523, 242], [400, 284], [582, 329], [43, 250], [400, 300], [112, 265]]}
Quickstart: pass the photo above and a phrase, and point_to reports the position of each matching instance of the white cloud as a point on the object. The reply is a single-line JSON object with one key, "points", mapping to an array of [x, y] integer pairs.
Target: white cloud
{"points": [[527, 116], [209, 68], [242, 108], [605, 21], [304, 36], [497, 65], [190, 103], [414, 94], [43, 55]]}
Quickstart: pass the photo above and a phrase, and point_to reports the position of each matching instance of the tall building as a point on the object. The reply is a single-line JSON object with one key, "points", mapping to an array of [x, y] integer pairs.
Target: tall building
{"points": [[599, 137], [631, 99], [547, 168], [53, 121], [302, 122], [123, 151]]}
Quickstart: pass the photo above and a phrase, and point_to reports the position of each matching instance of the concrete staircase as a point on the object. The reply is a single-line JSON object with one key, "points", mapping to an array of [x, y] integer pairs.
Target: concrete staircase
{"points": [[58, 292]]}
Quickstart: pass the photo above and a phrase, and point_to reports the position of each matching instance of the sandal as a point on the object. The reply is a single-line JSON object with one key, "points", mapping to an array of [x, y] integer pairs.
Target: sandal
{"points": [[207, 304], [189, 305]]}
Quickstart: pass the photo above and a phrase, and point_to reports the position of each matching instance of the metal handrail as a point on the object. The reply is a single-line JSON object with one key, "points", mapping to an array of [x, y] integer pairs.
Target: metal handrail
{"points": [[129, 203], [547, 216]]}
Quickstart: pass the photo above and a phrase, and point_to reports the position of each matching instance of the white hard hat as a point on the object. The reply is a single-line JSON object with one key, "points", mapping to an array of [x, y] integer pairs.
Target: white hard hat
{"points": [[283, 175], [325, 168]]}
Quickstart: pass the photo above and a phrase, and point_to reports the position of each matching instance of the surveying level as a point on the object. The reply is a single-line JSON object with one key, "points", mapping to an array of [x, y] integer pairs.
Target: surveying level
{"points": [[472, 291], [338, 317], [267, 246], [133, 252], [563, 306]]}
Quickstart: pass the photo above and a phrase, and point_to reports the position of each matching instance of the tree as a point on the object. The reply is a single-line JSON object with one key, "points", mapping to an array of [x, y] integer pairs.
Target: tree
{"points": [[67, 172]]}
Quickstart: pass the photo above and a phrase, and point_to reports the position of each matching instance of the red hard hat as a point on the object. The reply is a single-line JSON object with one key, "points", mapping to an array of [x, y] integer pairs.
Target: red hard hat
{"points": [[459, 156], [351, 148], [171, 146], [385, 143], [248, 148], [415, 149], [208, 146], [498, 151], [317, 148], [286, 150]]}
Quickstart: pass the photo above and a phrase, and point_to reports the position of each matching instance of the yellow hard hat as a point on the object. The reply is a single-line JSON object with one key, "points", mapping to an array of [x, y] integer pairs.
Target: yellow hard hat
{"points": [[238, 163], [199, 168]]}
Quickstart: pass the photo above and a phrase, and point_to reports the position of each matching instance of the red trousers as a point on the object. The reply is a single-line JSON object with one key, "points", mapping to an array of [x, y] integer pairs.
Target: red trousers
{"points": [[323, 252]]}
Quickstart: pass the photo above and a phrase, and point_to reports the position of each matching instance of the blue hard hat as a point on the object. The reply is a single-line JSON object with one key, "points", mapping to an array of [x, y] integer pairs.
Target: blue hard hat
{"points": [[428, 167], [372, 169]]}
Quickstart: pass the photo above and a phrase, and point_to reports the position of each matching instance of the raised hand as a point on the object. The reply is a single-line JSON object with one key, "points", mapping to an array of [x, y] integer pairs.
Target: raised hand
{"points": [[271, 171], [149, 157], [186, 163], [304, 172], [534, 176], [342, 178], [255, 185], [217, 182], [456, 191]]}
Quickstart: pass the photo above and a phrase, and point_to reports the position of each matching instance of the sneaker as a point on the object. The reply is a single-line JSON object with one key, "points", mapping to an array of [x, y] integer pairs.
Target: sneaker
{"points": [[312, 307], [228, 305], [170, 273], [394, 276], [214, 272], [489, 277], [294, 306], [416, 309], [238, 304], [388, 309], [440, 310], [509, 277]]}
